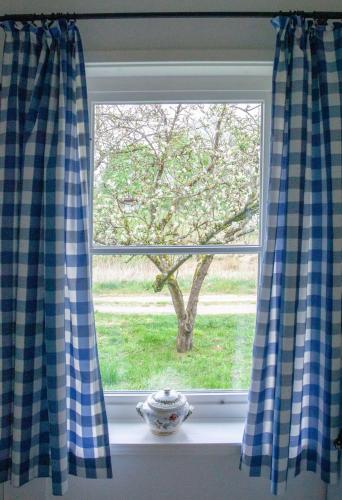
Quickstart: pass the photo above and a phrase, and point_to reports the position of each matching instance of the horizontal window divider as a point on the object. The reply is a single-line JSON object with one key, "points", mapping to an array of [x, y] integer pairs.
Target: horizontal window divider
{"points": [[220, 396], [207, 404], [180, 249]]}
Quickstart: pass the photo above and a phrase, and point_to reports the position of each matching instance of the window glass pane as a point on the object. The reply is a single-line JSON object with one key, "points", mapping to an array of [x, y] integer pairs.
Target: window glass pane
{"points": [[176, 174], [139, 313]]}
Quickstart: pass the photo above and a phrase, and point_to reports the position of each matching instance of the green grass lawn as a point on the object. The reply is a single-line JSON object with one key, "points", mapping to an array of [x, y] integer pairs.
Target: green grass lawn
{"points": [[138, 352], [210, 285]]}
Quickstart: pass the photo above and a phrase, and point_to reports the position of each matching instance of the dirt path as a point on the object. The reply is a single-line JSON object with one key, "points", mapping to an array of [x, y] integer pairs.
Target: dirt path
{"points": [[162, 304]]}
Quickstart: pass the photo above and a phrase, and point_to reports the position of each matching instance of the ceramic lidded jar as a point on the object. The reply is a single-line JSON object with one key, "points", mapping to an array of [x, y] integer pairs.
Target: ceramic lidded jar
{"points": [[165, 411]]}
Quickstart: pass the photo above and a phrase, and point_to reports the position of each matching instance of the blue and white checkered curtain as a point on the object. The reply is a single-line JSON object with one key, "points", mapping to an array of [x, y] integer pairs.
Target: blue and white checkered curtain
{"points": [[52, 413], [294, 402]]}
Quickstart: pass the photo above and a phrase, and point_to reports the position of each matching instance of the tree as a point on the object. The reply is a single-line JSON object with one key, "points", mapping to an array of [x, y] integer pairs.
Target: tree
{"points": [[177, 174]]}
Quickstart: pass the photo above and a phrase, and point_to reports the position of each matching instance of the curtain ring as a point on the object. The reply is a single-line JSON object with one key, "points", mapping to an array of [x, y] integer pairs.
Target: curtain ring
{"points": [[320, 21]]}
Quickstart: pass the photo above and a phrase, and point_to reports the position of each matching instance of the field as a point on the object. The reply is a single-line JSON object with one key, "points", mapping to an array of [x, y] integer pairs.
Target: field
{"points": [[136, 328]]}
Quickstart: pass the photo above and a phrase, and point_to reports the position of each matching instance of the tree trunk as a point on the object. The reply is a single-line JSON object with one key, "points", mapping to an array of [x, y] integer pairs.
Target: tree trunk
{"points": [[186, 316], [184, 337], [187, 321]]}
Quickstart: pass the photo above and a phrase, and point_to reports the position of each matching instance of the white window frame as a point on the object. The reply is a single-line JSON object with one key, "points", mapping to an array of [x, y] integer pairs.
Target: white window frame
{"points": [[128, 83]]}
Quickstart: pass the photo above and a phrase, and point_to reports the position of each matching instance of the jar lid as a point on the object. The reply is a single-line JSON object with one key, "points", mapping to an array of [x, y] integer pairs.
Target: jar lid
{"points": [[167, 399]]}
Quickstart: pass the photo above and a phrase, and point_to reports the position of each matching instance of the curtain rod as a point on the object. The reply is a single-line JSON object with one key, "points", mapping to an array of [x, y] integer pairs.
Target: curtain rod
{"points": [[169, 15]]}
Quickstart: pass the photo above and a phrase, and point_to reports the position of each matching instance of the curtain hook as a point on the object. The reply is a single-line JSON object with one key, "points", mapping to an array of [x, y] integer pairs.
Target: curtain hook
{"points": [[319, 20]]}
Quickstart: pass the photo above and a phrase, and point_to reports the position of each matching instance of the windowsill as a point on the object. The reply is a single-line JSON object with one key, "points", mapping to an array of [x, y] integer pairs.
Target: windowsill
{"points": [[206, 437]]}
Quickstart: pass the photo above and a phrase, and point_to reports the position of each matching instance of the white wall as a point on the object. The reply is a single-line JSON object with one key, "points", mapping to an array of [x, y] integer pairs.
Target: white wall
{"points": [[169, 477], [209, 39]]}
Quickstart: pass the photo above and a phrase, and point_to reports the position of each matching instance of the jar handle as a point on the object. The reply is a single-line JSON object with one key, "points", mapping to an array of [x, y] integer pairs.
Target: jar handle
{"points": [[191, 409], [138, 408]]}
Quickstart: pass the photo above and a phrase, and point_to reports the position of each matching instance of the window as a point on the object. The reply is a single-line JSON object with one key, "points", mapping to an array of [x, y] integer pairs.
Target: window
{"points": [[177, 224]]}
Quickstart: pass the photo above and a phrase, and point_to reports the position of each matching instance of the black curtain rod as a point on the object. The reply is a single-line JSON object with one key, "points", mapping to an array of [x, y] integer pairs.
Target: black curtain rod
{"points": [[320, 15]]}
